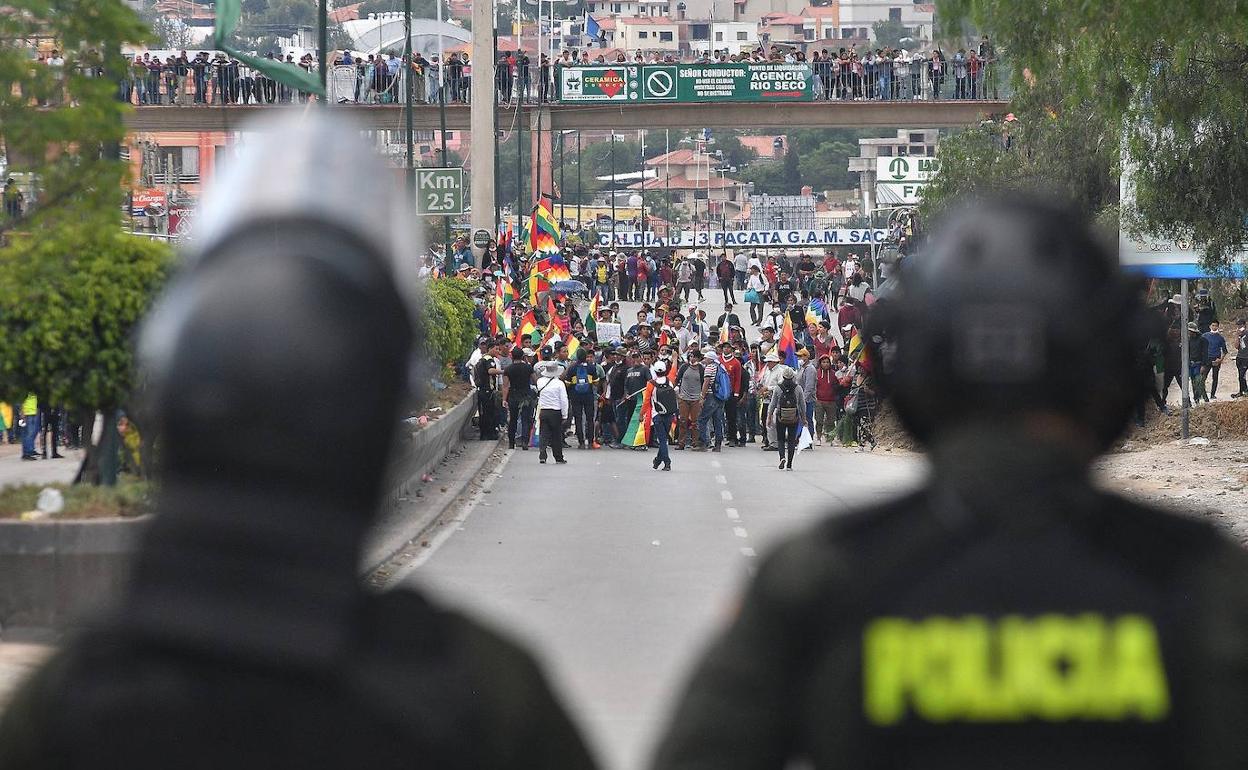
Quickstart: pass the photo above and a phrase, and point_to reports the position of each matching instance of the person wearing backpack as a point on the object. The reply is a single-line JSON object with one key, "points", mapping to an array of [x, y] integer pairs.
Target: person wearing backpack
{"points": [[787, 412], [584, 380], [716, 389]]}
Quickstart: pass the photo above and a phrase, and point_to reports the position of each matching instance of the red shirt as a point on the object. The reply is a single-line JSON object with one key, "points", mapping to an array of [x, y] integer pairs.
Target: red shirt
{"points": [[772, 272], [825, 387], [831, 265]]}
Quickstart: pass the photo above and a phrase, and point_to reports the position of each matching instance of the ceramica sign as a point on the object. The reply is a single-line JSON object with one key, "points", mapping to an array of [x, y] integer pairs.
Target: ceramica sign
{"points": [[597, 84]]}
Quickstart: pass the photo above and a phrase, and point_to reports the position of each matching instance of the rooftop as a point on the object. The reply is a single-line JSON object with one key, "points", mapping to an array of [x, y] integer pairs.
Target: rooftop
{"points": [[682, 182], [682, 157]]}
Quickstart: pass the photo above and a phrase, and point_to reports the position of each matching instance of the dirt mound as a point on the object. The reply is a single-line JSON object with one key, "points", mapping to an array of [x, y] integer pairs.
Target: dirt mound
{"points": [[889, 431], [1218, 419]]}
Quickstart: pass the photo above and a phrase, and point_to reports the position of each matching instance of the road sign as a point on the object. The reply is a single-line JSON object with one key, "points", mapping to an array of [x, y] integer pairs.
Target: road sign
{"points": [[481, 238], [906, 169], [439, 191], [711, 82], [899, 180]]}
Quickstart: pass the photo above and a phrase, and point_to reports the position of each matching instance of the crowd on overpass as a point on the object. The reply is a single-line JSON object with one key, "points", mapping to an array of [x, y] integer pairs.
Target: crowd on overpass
{"points": [[790, 377], [843, 74]]}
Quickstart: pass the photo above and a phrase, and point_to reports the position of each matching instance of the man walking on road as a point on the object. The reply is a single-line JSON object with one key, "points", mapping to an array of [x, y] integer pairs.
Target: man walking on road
{"points": [[665, 407], [552, 411], [725, 273]]}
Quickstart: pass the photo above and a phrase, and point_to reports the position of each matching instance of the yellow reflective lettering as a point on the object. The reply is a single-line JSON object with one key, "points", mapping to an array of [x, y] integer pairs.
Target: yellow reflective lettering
{"points": [[884, 653], [930, 665], [1139, 675]]}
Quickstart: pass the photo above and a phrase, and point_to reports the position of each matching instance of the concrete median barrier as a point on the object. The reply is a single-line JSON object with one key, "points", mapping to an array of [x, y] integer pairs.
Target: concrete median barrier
{"points": [[55, 572]]}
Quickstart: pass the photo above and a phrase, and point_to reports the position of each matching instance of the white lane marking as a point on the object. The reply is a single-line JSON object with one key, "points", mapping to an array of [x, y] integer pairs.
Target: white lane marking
{"points": [[732, 514], [725, 494], [721, 479], [716, 464], [747, 551], [740, 532]]}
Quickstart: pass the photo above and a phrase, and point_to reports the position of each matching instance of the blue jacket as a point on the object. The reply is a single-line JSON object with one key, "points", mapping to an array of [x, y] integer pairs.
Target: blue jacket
{"points": [[1217, 346]]}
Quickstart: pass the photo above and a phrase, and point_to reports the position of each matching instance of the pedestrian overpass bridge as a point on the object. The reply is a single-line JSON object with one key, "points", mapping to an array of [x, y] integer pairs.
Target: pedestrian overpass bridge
{"points": [[600, 117]]}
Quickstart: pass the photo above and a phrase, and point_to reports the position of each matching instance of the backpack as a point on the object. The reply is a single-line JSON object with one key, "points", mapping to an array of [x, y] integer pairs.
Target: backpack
{"points": [[583, 382], [723, 388], [786, 409]]}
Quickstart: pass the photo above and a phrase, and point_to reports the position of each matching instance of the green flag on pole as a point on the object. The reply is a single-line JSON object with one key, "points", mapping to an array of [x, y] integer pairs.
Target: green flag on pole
{"points": [[228, 12]]}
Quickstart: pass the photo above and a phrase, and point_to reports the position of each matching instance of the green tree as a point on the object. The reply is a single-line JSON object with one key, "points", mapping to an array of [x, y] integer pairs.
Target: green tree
{"points": [[70, 299], [1050, 150], [1168, 80], [73, 285], [889, 33], [791, 172]]}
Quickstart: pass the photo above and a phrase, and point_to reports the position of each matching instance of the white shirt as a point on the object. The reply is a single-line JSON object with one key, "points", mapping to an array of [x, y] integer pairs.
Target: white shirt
{"points": [[551, 394], [772, 377]]}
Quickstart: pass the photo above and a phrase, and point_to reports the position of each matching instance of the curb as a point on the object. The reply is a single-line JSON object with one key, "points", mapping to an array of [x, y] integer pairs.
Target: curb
{"points": [[410, 525], [381, 573], [56, 571]]}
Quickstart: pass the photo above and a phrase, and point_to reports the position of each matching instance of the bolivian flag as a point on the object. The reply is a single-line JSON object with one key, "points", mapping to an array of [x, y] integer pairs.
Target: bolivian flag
{"points": [[6, 416], [537, 285], [525, 329], [787, 344], [855, 346], [573, 345], [638, 433], [591, 320], [543, 232]]}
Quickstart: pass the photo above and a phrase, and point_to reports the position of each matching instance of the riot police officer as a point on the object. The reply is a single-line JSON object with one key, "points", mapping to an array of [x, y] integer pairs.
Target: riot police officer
{"points": [[1008, 614], [278, 364]]}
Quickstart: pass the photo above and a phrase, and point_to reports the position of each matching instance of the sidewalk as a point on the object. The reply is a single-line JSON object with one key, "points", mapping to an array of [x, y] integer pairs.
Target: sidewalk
{"points": [[17, 661], [14, 470]]}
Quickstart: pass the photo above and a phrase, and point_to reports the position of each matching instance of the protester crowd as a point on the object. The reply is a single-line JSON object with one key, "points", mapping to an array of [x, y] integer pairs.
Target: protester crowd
{"points": [[884, 73], [844, 74], [789, 373], [1209, 347]]}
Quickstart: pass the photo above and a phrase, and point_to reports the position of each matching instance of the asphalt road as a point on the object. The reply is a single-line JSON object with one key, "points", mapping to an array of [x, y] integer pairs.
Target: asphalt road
{"points": [[616, 574]]}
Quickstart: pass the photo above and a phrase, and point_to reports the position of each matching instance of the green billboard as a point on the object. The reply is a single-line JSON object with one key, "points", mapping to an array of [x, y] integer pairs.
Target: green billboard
{"points": [[712, 82], [598, 84]]}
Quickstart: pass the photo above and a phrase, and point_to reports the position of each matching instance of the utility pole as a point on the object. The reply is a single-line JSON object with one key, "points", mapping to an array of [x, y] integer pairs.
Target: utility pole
{"points": [[613, 188], [1185, 363], [498, 173], [322, 32], [579, 192], [482, 119], [448, 264], [407, 97]]}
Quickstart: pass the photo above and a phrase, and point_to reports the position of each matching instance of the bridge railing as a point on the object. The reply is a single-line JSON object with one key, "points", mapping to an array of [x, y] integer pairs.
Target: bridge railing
{"points": [[617, 83]]}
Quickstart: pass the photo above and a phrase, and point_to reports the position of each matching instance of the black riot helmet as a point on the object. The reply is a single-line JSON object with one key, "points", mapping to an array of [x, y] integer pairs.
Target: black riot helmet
{"points": [[1014, 308], [276, 365]]}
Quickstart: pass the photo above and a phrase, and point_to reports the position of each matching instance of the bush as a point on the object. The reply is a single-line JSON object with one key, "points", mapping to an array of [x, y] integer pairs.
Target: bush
{"points": [[449, 326], [131, 497]]}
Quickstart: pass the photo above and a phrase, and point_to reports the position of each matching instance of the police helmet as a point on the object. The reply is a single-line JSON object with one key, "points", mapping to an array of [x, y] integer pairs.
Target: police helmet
{"points": [[1015, 309]]}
